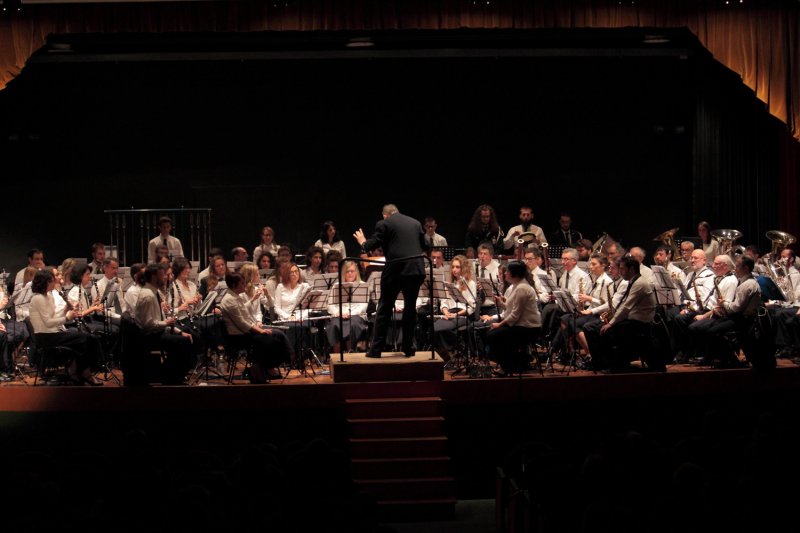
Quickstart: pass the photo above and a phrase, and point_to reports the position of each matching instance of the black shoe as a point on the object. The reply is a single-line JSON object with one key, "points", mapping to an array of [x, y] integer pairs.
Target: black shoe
{"points": [[410, 354], [373, 355]]}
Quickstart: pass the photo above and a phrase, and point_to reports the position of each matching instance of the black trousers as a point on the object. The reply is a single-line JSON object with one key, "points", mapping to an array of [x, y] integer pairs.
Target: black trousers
{"points": [[353, 328], [178, 355], [507, 344], [619, 345], [390, 289], [73, 339], [269, 351], [787, 327]]}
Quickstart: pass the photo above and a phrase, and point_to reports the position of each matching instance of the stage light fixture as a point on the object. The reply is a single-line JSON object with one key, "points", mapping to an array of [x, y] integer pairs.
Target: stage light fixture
{"points": [[11, 7]]}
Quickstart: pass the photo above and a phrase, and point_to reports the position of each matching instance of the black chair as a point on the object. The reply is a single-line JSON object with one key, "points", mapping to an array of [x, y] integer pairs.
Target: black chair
{"points": [[236, 347], [49, 358], [138, 363]]}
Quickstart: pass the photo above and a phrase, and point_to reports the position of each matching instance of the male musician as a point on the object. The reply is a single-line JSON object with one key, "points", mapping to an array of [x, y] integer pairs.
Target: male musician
{"points": [[663, 258], [437, 257], [788, 260], [35, 260], [644, 271], [724, 288], [109, 291], [172, 243], [565, 235], [584, 247], [400, 236], [613, 251], [687, 247], [431, 237], [575, 281], [484, 227], [159, 331], [754, 253], [533, 260], [625, 333], [487, 268], [98, 256], [699, 284], [737, 314], [132, 294], [239, 254], [525, 226]]}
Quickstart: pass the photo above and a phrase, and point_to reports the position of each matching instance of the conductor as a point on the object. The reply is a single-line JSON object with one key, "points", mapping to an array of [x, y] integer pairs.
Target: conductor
{"points": [[399, 236]]}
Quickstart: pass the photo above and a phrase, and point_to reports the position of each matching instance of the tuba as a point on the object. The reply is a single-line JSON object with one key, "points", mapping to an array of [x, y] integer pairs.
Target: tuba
{"points": [[727, 241], [668, 238], [597, 247], [780, 240]]}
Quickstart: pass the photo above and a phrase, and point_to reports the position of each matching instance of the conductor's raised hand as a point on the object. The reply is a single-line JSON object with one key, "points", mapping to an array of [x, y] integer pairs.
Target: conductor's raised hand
{"points": [[359, 236]]}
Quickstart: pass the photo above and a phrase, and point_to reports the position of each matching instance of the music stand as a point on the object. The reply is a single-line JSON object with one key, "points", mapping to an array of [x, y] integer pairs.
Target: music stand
{"points": [[769, 290], [449, 252], [351, 293], [667, 293], [312, 300], [439, 292], [324, 282], [566, 303], [455, 295]]}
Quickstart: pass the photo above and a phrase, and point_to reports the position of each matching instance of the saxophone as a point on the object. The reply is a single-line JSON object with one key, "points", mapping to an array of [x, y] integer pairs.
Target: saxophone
{"points": [[606, 316]]}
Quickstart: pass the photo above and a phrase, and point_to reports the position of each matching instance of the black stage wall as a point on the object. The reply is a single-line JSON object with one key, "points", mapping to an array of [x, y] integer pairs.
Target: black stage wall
{"points": [[629, 144]]}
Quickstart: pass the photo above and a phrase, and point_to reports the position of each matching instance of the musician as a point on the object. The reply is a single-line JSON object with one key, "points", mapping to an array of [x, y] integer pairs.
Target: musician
{"points": [[174, 248], [431, 237], [66, 268], [754, 253], [584, 248], [455, 314], [267, 244], [736, 314], [565, 235], [36, 261], [284, 255], [288, 296], [104, 287], [266, 261], [329, 239], [613, 250], [644, 271], [521, 322], [687, 247], [314, 257], [574, 280], [354, 323], [663, 258], [618, 340], [725, 284], [162, 255], [487, 268], [400, 236], [219, 268], [185, 295], [533, 260], [132, 294], [49, 328], [699, 284], [79, 297], [709, 244], [214, 252], [484, 228], [239, 254], [437, 258], [332, 259], [600, 314], [525, 226], [98, 256], [269, 346], [19, 297], [788, 260], [159, 331]]}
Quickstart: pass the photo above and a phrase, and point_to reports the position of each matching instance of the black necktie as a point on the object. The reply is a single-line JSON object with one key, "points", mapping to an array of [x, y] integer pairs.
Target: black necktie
{"points": [[568, 237], [165, 243], [566, 282], [483, 271], [160, 309]]}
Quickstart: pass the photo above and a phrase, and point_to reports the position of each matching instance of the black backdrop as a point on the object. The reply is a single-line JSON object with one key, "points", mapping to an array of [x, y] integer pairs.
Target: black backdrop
{"points": [[291, 143]]}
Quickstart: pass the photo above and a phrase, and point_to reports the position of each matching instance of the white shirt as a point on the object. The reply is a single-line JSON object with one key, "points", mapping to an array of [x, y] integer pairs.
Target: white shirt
{"points": [[704, 280], [511, 240], [253, 306], [173, 245], [353, 309], [338, 246], [599, 292], [616, 298], [489, 272], [183, 293], [44, 318], [469, 295], [286, 299], [131, 296], [577, 279], [541, 289], [103, 284], [727, 286], [436, 240], [258, 250]]}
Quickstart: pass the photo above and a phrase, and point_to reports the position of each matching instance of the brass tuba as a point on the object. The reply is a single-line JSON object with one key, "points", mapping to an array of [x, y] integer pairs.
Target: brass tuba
{"points": [[668, 238], [597, 247], [727, 241], [780, 239]]}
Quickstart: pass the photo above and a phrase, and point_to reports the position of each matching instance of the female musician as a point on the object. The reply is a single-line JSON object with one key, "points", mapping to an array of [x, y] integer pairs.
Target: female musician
{"points": [[313, 262], [267, 244], [288, 295], [710, 246], [66, 273], [455, 314], [255, 297], [79, 296], [266, 261], [49, 330], [186, 295], [329, 239], [219, 268], [354, 325], [268, 345], [520, 324], [595, 313]]}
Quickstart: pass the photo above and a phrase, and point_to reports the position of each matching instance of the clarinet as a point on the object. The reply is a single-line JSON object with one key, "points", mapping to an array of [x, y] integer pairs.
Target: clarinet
{"points": [[189, 312]]}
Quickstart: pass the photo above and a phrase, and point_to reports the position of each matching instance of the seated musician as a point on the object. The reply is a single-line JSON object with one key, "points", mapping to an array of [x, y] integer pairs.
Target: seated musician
{"points": [[526, 225], [313, 268], [255, 297], [663, 258], [98, 257], [584, 248], [266, 261], [239, 254], [332, 259], [35, 261], [267, 244], [484, 228], [183, 298], [709, 244], [533, 260], [644, 271], [329, 239], [354, 326], [786, 316], [214, 252], [699, 285], [269, 345], [160, 332], [736, 315], [601, 314], [520, 323], [219, 268], [49, 328], [132, 294], [437, 257], [574, 280], [288, 295], [488, 269], [565, 235], [627, 332], [103, 290], [455, 314], [725, 283]]}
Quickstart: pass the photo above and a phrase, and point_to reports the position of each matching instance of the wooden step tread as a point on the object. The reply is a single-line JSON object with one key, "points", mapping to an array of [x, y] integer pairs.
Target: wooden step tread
{"points": [[398, 439], [389, 420], [393, 400], [400, 459], [445, 501], [392, 481]]}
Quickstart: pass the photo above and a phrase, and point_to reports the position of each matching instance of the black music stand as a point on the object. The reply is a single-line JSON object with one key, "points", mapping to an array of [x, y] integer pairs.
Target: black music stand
{"points": [[448, 252], [567, 304], [439, 292], [312, 300], [667, 292], [110, 300], [352, 293], [324, 282]]}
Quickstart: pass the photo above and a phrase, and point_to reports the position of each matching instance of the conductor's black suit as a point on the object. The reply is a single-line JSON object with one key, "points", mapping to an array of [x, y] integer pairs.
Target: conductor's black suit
{"points": [[399, 236]]}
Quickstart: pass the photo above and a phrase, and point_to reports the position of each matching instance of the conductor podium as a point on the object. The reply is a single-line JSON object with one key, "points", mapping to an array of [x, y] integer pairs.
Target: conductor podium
{"points": [[392, 366]]}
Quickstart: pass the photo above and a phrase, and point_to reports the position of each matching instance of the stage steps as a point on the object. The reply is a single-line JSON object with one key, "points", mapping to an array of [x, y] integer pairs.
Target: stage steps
{"points": [[398, 453]]}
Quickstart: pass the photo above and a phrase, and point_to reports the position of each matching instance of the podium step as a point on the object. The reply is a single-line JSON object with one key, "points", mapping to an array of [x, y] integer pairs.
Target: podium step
{"points": [[413, 467], [395, 407], [408, 489], [361, 448], [366, 428]]}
